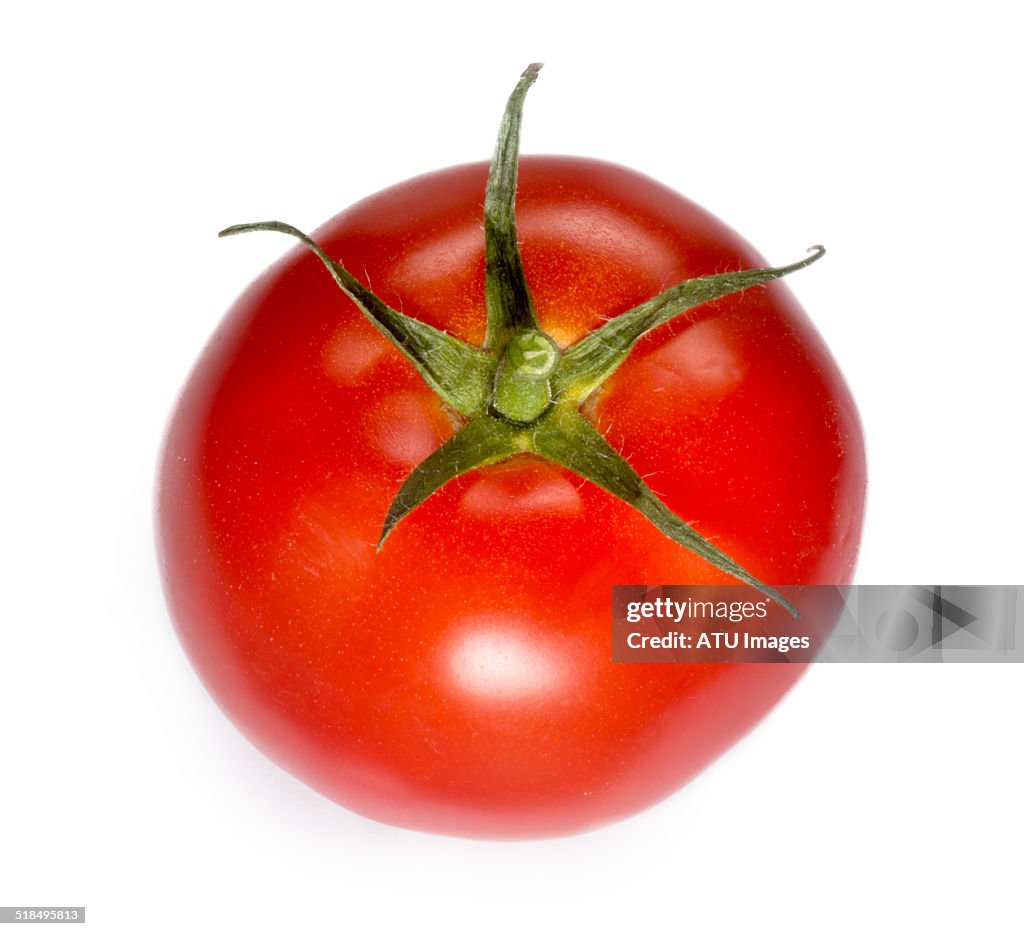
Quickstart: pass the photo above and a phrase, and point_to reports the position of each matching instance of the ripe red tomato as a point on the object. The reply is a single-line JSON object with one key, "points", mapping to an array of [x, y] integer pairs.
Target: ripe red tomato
{"points": [[460, 680]]}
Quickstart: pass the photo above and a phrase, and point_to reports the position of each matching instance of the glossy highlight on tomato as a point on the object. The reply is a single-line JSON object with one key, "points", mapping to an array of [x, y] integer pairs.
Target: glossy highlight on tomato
{"points": [[460, 679]]}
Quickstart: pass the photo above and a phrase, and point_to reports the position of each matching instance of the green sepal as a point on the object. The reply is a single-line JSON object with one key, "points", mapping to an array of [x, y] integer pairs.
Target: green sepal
{"points": [[483, 441], [593, 359], [458, 372], [509, 303], [562, 435]]}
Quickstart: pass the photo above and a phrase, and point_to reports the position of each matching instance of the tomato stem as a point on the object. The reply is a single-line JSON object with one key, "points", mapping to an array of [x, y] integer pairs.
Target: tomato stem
{"points": [[522, 390]]}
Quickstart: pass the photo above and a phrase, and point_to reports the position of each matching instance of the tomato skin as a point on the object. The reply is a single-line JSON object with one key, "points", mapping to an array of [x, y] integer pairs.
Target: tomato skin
{"points": [[460, 680]]}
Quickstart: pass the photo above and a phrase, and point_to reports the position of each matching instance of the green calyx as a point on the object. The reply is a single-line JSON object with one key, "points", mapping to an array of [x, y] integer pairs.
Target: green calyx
{"points": [[519, 392]]}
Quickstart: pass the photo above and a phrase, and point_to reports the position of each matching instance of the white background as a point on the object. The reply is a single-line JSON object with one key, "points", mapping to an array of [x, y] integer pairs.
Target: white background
{"points": [[874, 797]]}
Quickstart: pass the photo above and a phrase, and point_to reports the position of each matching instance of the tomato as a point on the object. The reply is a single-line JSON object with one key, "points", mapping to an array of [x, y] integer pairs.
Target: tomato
{"points": [[460, 679]]}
